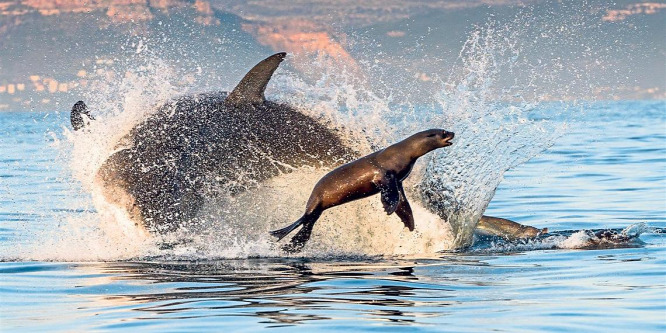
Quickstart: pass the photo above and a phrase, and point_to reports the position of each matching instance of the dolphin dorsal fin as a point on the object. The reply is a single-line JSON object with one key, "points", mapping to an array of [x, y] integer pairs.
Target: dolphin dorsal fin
{"points": [[250, 90]]}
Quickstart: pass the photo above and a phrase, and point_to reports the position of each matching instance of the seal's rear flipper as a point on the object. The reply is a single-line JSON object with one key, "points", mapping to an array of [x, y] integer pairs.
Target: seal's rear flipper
{"points": [[298, 242], [250, 90], [280, 233]]}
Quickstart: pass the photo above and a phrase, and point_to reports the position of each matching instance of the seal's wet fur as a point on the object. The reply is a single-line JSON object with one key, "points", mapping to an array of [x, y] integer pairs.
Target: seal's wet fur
{"points": [[380, 172]]}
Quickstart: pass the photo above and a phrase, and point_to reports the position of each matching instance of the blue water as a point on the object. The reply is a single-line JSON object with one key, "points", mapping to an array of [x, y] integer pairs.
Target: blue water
{"points": [[607, 171]]}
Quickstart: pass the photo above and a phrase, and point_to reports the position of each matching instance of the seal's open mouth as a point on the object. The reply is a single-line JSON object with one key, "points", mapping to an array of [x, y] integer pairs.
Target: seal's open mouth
{"points": [[447, 139]]}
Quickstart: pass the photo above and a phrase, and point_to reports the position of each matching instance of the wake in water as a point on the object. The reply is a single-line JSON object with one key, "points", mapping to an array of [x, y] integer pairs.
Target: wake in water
{"points": [[567, 239], [449, 191]]}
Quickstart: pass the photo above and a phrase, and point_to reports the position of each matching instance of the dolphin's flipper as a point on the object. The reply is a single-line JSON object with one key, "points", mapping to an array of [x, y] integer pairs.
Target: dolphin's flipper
{"points": [[404, 211], [390, 192], [250, 90]]}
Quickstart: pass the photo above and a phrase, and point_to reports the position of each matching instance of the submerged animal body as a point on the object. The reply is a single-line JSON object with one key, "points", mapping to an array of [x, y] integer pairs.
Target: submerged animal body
{"points": [[226, 141], [506, 228], [380, 172]]}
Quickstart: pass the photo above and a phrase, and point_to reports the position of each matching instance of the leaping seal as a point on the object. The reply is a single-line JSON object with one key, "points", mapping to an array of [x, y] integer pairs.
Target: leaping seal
{"points": [[380, 172]]}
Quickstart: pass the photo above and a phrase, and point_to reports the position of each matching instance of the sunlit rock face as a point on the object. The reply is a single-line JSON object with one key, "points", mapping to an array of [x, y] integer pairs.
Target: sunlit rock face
{"points": [[306, 40]]}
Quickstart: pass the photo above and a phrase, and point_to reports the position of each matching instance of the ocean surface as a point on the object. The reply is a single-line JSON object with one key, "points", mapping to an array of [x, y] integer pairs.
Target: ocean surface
{"points": [[607, 170]]}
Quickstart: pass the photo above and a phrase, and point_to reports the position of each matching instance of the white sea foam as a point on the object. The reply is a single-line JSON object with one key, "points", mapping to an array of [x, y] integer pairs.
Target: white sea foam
{"points": [[577, 239]]}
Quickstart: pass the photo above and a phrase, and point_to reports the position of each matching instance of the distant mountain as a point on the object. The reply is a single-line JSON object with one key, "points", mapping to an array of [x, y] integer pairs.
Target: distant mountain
{"points": [[588, 55], [51, 50], [597, 49]]}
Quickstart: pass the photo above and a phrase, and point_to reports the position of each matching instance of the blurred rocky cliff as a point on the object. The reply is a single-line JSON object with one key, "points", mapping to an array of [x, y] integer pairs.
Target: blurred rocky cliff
{"points": [[51, 50]]}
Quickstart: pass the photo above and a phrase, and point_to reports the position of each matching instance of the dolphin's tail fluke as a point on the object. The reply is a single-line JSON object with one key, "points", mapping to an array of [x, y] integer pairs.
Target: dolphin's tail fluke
{"points": [[280, 233]]}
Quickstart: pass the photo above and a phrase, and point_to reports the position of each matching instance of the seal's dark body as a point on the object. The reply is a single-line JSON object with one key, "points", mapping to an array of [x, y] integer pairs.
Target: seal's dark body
{"points": [[380, 172]]}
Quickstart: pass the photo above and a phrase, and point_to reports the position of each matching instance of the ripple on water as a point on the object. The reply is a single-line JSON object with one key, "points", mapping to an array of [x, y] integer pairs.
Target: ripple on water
{"points": [[521, 289]]}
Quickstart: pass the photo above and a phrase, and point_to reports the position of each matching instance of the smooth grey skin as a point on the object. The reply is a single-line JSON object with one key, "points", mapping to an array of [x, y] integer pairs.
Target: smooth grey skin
{"points": [[232, 142], [380, 172]]}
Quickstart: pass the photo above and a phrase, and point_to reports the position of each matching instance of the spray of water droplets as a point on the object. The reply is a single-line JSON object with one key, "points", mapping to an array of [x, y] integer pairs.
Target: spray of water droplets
{"points": [[487, 99]]}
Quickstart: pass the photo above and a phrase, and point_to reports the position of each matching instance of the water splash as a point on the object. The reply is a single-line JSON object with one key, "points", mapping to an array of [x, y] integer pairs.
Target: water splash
{"points": [[494, 129], [568, 239], [104, 231], [487, 100]]}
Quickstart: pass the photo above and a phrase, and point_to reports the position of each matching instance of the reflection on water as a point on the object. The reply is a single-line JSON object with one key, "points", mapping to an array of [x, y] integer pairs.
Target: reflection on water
{"points": [[606, 173], [273, 289], [464, 292]]}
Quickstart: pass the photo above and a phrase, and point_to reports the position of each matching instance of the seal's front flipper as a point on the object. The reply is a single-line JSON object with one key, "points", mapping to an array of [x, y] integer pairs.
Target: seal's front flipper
{"points": [[405, 214], [390, 192], [404, 211]]}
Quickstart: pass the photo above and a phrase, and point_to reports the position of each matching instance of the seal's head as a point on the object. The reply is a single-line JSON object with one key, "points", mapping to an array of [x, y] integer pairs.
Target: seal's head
{"points": [[437, 137], [424, 142]]}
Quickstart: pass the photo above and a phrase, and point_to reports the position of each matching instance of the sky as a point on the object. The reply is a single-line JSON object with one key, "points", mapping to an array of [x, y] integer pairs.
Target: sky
{"points": [[53, 51]]}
